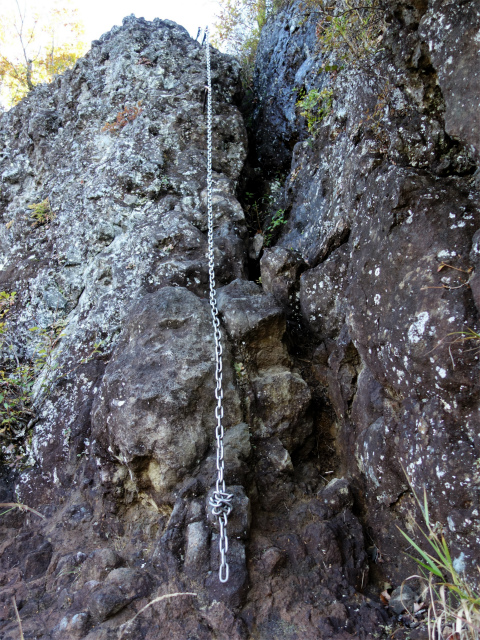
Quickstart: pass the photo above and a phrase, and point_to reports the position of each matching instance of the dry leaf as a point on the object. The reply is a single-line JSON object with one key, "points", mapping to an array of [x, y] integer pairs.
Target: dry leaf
{"points": [[9, 224], [417, 607]]}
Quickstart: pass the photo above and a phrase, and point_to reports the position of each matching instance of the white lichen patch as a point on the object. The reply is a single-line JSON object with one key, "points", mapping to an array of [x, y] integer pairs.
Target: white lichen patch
{"points": [[459, 563], [417, 328]]}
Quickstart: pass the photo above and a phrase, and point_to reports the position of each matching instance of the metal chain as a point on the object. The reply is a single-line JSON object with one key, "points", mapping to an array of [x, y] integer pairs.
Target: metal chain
{"points": [[221, 501]]}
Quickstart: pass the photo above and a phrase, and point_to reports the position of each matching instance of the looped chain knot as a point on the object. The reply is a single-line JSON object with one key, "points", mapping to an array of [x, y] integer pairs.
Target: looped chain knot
{"points": [[221, 503]]}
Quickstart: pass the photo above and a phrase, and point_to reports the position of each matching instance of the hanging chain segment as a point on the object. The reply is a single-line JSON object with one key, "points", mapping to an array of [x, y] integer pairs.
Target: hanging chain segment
{"points": [[221, 501]]}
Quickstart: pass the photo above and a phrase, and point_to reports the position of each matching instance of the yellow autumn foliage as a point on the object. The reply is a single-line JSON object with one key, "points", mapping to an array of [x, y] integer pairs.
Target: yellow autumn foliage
{"points": [[238, 27], [38, 41]]}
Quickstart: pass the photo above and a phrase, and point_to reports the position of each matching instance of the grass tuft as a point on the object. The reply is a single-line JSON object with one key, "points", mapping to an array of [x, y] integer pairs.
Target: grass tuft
{"points": [[454, 608]]}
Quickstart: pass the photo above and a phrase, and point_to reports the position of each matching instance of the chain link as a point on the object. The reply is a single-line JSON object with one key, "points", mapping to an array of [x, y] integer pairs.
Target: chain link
{"points": [[221, 501]]}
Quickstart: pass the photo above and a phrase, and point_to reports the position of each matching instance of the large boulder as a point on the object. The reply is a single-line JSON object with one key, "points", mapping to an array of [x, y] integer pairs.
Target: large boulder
{"points": [[156, 404]]}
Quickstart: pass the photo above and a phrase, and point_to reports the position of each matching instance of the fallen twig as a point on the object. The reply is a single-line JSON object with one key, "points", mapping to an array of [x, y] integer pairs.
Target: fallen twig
{"points": [[18, 618], [154, 601]]}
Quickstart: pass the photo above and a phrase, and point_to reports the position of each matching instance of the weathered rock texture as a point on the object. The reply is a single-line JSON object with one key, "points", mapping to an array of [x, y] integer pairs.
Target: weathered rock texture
{"points": [[383, 209], [338, 367]]}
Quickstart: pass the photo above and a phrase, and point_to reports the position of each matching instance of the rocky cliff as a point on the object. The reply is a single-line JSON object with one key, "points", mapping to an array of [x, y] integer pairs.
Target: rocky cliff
{"points": [[345, 368], [382, 218]]}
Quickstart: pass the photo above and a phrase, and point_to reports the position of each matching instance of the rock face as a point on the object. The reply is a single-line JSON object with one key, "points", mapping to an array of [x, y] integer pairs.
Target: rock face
{"points": [[342, 364], [287, 58], [453, 50], [383, 208], [160, 373]]}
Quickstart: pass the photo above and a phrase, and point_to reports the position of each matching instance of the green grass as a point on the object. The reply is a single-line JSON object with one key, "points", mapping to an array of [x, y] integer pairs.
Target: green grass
{"points": [[454, 607]]}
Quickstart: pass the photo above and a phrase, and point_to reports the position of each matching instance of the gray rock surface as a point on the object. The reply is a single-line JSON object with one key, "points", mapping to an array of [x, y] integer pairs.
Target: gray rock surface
{"points": [[161, 371], [383, 208], [287, 62], [121, 267], [121, 586], [342, 363], [452, 34], [402, 599]]}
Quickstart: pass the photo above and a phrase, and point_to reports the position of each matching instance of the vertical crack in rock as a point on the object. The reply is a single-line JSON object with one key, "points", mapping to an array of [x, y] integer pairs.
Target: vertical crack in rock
{"points": [[338, 366], [383, 212]]}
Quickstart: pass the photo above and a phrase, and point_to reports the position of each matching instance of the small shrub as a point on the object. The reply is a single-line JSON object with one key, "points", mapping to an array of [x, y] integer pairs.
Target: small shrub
{"points": [[351, 29], [16, 381], [128, 114], [277, 221], [7, 300], [96, 350], [23, 380], [254, 213], [48, 339], [315, 106], [15, 399], [41, 213]]}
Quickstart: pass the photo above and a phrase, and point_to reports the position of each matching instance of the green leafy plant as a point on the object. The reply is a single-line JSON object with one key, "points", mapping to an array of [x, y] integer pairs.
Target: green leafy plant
{"points": [[315, 106], [254, 213], [240, 370], [41, 213], [37, 43], [454, 609], [258, 207], [48, 338], [16, 380], [351, 29], [278, 220], [7, 300], [23, 380], [15, 397], [96, 350]]}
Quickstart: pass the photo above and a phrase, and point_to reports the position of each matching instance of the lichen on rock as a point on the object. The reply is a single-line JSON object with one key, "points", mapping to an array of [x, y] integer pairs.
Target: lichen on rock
{"points": [[346, 371]]}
